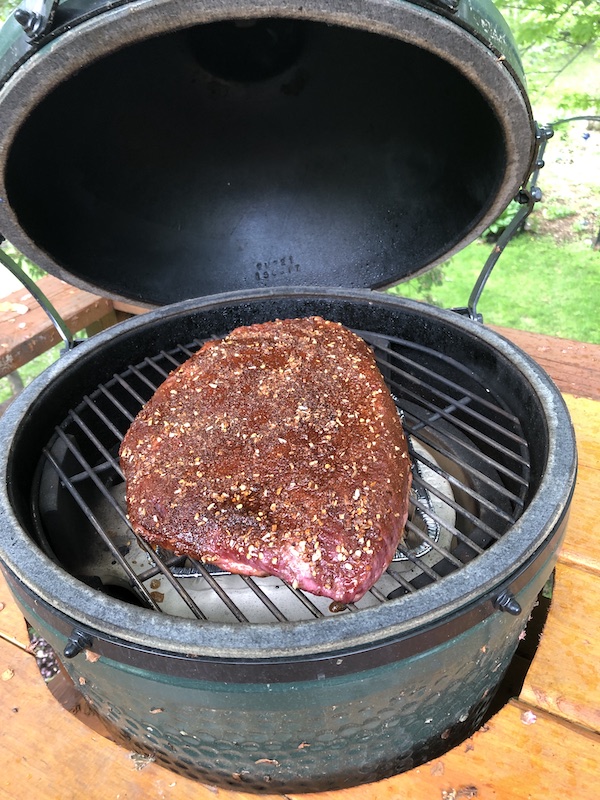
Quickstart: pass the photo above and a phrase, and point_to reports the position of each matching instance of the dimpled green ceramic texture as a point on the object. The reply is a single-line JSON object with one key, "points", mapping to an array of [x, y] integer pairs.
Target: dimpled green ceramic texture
{"points": [[300, 735]]}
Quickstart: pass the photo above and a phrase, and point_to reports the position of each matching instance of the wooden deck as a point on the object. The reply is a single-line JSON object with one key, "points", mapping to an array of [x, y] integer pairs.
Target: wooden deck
{"points": [[542, 745]]}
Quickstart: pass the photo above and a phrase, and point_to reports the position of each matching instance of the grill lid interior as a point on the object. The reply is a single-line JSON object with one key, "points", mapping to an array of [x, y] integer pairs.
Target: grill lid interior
{"points": [[193, 151]]}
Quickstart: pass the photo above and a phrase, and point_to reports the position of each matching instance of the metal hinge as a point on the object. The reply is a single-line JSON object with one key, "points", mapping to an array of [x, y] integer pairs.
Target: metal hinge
{"points": [[527, 197]]}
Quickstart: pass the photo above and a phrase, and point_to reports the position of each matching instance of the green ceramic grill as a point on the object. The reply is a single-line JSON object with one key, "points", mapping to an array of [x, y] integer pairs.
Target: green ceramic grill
{"points": [[236, 162]]}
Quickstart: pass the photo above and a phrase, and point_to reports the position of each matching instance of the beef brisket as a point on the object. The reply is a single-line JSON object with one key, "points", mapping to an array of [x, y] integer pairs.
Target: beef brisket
{"points": [[277, 450]]}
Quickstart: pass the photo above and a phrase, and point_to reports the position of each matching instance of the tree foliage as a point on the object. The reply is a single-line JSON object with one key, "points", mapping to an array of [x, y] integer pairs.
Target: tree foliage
{"points": [[552, 35], [571, 22], [6, 6]]}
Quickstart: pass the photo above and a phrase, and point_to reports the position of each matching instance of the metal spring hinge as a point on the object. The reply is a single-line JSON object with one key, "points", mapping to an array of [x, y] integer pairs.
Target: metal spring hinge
{"points": [[527, 197]]}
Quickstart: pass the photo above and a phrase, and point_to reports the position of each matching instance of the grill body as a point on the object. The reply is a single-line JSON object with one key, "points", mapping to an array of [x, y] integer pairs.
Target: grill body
{"points": [[274, 707], [257, 155], [301, 736]]}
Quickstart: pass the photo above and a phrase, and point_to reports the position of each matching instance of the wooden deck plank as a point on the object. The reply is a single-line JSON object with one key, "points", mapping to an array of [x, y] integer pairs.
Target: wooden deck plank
{"points": [[564, 678], [516, 756], [585, 415], [49, 754], [581, 547], [574, 366], [26, 331], [12, 624]]}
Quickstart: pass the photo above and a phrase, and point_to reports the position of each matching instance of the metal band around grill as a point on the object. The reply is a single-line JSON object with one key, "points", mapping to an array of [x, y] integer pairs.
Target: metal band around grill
{"points": [[280, 669]]}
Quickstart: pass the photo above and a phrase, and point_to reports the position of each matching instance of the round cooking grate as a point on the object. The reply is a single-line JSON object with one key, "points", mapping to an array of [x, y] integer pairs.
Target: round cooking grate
{"points": [[470, 484]]}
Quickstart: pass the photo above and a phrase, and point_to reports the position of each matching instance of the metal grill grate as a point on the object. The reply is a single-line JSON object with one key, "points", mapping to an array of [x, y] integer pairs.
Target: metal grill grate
{"points": [[470, 484]]}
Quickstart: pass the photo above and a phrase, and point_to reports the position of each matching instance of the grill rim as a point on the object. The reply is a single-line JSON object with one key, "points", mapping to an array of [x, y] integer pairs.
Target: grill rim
{"points": [[67, 452], [283, 668], [121, 621]]}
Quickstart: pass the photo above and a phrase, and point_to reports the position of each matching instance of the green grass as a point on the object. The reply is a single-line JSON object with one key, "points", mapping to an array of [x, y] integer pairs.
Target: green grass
{"points": [[535, 286], [548, 85], [33, 368]]}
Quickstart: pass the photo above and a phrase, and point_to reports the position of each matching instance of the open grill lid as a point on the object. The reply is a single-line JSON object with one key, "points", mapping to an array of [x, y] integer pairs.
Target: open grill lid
{"points": [[161, 150]]}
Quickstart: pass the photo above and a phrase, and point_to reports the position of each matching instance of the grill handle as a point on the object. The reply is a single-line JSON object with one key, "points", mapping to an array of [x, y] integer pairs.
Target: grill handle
{"points": [[55, 318]]}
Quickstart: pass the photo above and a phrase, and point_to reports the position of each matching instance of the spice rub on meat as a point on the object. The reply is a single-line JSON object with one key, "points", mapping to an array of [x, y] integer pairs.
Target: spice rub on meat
{"points": [[277, 450]]}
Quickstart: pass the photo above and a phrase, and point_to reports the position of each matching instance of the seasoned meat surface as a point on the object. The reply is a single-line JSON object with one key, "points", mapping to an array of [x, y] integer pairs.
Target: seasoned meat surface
{"points": [[276, 450]]}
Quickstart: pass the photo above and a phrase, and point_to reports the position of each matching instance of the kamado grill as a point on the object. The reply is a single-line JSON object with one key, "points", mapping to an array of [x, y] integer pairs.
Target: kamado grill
{"points": [[275, 160]]}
